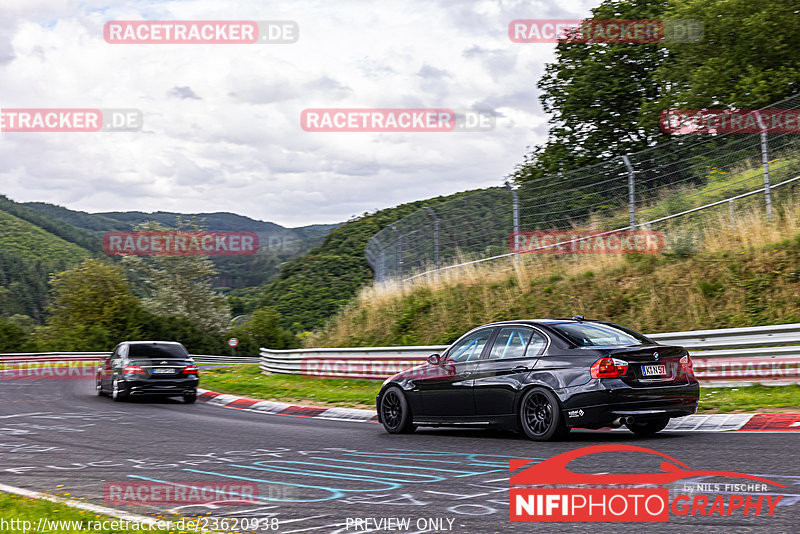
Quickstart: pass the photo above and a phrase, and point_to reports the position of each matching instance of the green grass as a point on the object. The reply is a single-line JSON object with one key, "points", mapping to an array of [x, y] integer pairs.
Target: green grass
{"points": [[749, 399], [246, 380], [14, 507]]}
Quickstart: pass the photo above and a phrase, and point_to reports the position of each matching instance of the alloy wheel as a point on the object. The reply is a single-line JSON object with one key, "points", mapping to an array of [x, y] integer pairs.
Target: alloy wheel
{"points": [[538, 413], [391, 409]]}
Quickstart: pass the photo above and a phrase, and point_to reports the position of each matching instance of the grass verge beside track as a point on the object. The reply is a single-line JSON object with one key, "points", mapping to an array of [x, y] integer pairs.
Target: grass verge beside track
{"points": [[750, 399], [247, 381], [62, 519]]}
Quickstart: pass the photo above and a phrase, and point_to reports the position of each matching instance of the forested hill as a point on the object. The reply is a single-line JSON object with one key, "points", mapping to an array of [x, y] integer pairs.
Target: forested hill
{"points": [[277, 243], [32, 246], [313, 287], [39, 239]]}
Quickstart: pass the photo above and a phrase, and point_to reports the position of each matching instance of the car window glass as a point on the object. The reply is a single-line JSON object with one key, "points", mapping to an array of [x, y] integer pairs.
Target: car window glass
{"points": [[470, 348], [511, 343], [536, 345], [597, 334], [153, 351]]}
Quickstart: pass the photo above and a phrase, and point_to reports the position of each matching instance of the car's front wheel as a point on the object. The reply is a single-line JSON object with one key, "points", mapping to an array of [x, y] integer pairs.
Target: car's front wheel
{"points": [[395, 413], [540, 416], [648, 428]]}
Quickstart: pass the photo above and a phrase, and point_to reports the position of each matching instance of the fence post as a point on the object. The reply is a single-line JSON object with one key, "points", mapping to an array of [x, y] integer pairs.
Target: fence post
{"points": [[398, 251], [765, 163], [433, 216], [732, 213], [514, 212], [631, 192]]}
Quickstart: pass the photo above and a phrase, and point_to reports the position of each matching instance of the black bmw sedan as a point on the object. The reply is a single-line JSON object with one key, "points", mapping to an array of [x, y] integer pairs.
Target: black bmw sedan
{"points": [[148, 368], [544, 377]]}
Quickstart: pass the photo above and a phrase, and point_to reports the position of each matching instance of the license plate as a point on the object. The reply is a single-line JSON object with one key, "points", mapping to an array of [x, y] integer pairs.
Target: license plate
{"points": [[167, 371], [654, 370]]}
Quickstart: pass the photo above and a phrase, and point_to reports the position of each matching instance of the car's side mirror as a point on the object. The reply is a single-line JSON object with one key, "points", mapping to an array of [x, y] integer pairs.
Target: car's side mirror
{"points": [[434, 359]]}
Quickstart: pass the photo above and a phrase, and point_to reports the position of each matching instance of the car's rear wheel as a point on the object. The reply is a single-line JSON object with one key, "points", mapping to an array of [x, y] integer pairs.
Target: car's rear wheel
{"points": [[395, 413], [118, 392], [190, 398], [648, 428], [540, 416]]}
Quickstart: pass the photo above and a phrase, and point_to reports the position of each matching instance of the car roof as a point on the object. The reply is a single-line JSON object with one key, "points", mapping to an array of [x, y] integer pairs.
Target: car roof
{"points": [[150, 343], [542, 321]]}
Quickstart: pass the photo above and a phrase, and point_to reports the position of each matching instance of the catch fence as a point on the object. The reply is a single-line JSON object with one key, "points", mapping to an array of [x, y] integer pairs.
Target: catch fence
{"points": [[670, 188]]}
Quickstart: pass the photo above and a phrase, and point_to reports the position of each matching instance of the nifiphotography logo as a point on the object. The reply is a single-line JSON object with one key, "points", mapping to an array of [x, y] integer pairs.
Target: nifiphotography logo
{"points": [[548, 491]]}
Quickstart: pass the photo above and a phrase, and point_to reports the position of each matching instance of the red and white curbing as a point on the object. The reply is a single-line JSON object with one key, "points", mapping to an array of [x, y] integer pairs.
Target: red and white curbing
{"points": [[742, 422], [283, 408]]}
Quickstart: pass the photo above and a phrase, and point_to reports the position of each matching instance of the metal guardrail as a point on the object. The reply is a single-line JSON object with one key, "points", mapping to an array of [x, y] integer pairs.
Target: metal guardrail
{"points": [[367, 362], [227, 360], [767, 354], [47, 357]]}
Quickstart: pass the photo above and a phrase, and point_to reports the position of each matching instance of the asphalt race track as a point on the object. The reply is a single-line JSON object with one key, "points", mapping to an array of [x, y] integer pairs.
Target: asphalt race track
{"points": [[56, 436]]}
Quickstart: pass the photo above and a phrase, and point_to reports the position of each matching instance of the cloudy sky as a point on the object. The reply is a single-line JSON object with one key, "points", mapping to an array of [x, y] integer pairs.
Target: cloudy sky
{"points": [[222, 122]]}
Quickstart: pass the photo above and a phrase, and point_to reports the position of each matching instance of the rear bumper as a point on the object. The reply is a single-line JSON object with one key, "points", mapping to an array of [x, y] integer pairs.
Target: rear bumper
{"points": [[599, 402], [177, 386]]}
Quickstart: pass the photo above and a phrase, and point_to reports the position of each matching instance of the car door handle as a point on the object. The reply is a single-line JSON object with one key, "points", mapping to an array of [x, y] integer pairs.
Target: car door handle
{"points": [[520, 368]]}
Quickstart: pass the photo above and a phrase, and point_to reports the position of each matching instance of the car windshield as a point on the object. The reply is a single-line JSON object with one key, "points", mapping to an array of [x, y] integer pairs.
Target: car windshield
{"points": [[157, 351], [597, 334]]}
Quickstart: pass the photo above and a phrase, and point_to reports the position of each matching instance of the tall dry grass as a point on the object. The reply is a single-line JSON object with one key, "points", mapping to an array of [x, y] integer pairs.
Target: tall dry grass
{"points": [[679, 291]]}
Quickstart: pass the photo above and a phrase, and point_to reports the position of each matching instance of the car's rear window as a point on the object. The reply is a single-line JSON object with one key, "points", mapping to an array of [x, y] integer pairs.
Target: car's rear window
{"points": [[156, 351], [596, 334]]}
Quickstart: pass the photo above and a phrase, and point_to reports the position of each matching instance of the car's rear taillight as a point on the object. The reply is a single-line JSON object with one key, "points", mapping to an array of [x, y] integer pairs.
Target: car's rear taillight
{"points": [[133, 370], [609, 368], [686, 363], [190, 370]]}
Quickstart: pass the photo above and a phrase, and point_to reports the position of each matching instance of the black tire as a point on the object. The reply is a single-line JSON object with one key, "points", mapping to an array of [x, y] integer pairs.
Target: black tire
{"points": [[190, 398], [540, 416], [395, 413], [118, 392], [99, 387], [648, 428]]}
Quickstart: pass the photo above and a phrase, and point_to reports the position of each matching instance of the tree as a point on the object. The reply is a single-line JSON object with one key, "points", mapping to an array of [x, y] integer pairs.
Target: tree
{"points": [[605, 99], [13, 338], [747, 57], [92, 309], [180, 286], [263, 329], [594, 93]]}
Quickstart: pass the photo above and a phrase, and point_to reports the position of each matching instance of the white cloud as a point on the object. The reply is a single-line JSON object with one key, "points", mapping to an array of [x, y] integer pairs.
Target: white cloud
{"points": [[222, 122]]}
